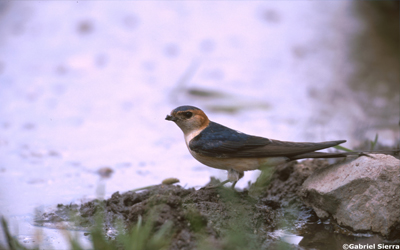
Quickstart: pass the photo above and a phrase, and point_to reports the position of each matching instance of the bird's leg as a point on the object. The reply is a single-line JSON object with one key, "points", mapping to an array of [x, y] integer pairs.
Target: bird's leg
{"points": [[234, 176]]}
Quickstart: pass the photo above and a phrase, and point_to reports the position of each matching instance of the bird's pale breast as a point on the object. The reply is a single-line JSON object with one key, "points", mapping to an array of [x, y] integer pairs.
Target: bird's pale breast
{"points": [[238, 164]]}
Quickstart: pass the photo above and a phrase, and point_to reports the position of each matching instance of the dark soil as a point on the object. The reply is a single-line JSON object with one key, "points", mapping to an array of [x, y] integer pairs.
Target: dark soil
{"points": [[217, 218]]}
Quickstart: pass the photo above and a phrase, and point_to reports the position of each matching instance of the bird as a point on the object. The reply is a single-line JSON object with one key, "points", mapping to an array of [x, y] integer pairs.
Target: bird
{"points": [[220, 147]]}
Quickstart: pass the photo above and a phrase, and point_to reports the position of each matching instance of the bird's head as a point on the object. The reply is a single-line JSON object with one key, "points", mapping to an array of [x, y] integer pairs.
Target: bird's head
{"points": [[188, 119]]}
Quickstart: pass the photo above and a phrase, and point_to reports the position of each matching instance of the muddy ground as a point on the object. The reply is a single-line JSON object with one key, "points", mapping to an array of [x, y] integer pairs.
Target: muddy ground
{"points": [[220, 218]]}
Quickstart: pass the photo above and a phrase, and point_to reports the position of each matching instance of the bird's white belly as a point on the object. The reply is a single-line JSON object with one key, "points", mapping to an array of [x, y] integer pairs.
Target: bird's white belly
{"points": [[239, 164]]}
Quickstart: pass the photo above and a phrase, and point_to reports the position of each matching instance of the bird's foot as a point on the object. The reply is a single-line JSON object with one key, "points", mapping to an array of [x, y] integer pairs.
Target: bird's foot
{"points": [[219, 185], [211, 186], [233, 176]]}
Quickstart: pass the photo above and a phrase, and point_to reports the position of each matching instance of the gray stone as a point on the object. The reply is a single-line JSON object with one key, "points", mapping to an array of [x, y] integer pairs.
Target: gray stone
{"points": [[363, 194]]}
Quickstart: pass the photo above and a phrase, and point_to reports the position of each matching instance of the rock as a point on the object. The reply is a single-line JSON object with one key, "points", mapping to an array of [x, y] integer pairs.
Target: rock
{"points": [[363, 194]]}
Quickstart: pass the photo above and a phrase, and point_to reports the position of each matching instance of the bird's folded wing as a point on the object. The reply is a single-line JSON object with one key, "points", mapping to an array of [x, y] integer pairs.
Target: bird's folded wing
{"points": [[222, 142], [227, 148], [219, 141]]}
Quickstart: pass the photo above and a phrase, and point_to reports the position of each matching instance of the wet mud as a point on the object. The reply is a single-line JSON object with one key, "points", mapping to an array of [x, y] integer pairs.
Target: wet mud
{"points": [[217, 218]]}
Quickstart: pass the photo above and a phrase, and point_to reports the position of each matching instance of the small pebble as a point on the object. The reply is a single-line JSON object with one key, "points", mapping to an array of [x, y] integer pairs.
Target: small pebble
{"points": [[170, 181]]}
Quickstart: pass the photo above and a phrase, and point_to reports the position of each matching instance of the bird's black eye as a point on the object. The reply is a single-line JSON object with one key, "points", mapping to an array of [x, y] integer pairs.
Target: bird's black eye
{"points": [[188, 114]]}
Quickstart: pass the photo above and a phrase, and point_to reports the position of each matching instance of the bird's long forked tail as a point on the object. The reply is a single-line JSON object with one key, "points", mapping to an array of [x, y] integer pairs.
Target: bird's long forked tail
{"points": [[394, 152]]}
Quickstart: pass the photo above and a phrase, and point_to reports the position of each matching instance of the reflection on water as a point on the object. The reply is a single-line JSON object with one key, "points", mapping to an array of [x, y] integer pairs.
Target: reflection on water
{"points": [[328, 236]]}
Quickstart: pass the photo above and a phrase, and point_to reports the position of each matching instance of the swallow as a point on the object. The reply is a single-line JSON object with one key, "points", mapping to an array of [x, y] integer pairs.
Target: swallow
{"points": [[224, 148]]}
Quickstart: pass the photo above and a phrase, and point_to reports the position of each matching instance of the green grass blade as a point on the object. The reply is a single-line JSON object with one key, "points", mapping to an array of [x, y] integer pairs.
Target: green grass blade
{"points": [[343, 148]]}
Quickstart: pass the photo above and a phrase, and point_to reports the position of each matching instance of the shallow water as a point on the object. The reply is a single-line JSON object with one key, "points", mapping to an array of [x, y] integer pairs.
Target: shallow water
{"points": [[86, 85]]}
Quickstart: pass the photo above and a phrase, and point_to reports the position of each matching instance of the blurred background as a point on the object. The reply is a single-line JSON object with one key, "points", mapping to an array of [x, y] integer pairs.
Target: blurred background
{"points": [[85, 87]]}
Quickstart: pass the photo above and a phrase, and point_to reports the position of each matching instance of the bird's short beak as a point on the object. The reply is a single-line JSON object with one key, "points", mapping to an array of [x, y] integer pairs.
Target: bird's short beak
{"points": [[171, 118]]}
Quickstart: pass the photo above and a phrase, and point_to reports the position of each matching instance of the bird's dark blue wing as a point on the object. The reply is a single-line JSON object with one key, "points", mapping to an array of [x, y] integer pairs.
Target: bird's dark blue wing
{"points": [[219, 141], [222, 142]]}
